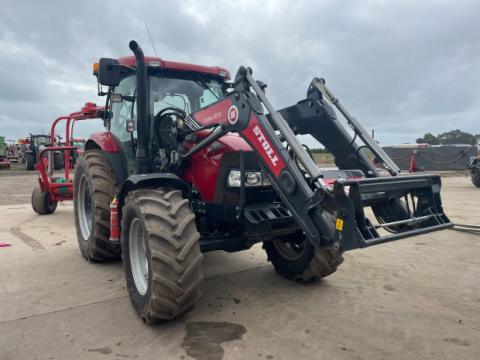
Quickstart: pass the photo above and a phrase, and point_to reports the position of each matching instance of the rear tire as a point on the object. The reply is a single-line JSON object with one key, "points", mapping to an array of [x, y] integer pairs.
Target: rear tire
{"points": [[300, 260], [29, 161], [161, 254], [94, 188], [41, 203]]}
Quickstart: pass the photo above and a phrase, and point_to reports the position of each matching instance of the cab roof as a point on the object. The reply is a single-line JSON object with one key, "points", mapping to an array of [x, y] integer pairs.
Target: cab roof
{"points": [[173, 65]]}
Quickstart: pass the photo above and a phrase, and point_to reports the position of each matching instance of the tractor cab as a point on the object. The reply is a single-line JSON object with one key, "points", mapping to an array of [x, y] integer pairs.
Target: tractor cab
{"points": [[174, 91], [37, 142]]}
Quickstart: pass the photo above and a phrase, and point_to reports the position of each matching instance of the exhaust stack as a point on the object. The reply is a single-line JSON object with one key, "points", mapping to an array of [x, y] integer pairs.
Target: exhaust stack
{"points": [[144, 163]]}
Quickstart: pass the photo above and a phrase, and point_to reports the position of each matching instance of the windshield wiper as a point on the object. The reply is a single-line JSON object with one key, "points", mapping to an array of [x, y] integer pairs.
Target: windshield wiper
{"points": [[205, 86]]}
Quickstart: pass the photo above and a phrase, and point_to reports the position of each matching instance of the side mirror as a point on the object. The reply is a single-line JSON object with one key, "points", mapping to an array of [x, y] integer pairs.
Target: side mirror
{"points": [[109, 72], [130, 126]]}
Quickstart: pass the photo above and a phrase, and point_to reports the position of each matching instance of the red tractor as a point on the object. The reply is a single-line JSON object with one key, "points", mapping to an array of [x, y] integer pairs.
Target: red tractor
{"points": [[190, 162]]}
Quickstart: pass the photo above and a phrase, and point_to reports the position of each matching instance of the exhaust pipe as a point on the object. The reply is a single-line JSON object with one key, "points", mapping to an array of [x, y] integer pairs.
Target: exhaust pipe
{"points": [[144, 163]]}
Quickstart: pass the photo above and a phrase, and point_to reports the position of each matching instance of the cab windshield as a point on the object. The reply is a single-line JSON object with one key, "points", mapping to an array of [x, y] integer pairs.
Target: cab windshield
{"points": [[189, 94], [41, 140]]}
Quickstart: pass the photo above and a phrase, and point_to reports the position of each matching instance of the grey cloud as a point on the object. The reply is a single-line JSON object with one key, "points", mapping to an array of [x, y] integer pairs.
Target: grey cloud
{"points": [[403, 68]]}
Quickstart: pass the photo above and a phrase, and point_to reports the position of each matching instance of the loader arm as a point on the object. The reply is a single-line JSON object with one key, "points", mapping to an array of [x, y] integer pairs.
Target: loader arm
{"points": [[302, 189]]}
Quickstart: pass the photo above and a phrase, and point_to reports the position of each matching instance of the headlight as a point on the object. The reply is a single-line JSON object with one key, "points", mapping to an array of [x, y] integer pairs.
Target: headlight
{"points": [[252, 178]]}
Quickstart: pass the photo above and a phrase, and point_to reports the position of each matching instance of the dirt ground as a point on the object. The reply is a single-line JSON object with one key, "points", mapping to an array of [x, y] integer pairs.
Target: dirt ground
{"points": [[16, 185], [417, 298]]}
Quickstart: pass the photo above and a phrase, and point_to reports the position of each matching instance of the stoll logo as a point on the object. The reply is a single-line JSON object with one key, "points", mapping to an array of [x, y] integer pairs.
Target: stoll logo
{"points": [[266, 145], [232, 114]]}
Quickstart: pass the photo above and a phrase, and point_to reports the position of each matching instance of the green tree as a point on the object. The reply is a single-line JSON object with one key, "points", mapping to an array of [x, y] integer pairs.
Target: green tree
{"points": [[428, 138], [456, 137], [450, 137]]}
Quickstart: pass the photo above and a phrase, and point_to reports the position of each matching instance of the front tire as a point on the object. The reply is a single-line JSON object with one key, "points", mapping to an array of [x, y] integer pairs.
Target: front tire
{"points": [[94, 188], [161, 254], [297, 259]]}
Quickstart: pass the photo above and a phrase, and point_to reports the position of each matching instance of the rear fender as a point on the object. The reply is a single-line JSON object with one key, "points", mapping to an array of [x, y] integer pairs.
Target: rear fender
{"points": [[105, 141], [111, 148]]}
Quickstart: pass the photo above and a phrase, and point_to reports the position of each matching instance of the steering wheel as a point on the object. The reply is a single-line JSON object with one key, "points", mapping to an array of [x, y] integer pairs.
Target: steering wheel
{"points": [[166, 124]]}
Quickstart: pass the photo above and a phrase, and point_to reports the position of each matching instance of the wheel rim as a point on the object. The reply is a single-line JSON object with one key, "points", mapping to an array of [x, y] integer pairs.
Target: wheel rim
{"points": [[291, 250], [84, 207], [137, 242]]}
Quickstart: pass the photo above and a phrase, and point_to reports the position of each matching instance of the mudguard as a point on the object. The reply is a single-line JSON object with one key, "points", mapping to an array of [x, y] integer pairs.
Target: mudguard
{"points": [[152, 180], [103, 140], [110, 145]]}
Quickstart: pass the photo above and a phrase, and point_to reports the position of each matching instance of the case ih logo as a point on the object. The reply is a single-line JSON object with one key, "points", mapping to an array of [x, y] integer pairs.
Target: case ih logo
{"points": [[232, 114], [266, 145]]}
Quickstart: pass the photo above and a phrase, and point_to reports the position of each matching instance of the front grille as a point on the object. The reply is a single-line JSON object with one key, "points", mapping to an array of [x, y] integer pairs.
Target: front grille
{"points": [[266, 213]]}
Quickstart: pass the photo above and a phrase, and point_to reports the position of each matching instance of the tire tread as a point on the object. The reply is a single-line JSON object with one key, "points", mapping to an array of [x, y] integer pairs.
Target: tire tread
{"points": [[104, 189], [175, 256]]}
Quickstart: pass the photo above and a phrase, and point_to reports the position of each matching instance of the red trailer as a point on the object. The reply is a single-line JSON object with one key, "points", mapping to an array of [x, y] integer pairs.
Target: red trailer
{"points": [[53, 188]]}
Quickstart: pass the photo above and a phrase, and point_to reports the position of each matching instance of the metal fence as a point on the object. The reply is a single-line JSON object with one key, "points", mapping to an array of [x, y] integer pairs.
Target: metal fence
{"points": [[436, 157]]}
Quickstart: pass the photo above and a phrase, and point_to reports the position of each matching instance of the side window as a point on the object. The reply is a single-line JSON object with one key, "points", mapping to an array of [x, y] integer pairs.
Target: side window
{"points": [[123, 111]]}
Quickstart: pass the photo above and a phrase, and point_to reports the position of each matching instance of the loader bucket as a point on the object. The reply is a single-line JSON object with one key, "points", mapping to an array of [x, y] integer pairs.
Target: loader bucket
{"points": [[403, 206]]}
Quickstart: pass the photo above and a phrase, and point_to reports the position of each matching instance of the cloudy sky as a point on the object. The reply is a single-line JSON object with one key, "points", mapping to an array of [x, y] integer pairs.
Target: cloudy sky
{"points": [[401, 67]]}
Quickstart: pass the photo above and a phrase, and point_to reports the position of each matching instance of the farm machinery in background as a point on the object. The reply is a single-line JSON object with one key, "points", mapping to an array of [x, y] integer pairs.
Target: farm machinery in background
{"points": [[4, 162], [191, 162], [52, 187], [14, 152], [36, 143]]}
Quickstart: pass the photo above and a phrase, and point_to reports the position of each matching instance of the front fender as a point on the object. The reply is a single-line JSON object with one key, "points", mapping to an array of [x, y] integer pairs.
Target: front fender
{"points": [[139, 181]]}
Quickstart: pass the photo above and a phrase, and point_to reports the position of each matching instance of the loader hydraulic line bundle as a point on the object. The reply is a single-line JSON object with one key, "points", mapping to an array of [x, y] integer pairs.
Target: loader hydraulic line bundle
{"points": [[192, 162]]}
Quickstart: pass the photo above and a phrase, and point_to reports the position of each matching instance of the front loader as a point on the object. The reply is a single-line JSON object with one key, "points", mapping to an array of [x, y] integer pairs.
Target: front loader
{"points": [[192, 162]]}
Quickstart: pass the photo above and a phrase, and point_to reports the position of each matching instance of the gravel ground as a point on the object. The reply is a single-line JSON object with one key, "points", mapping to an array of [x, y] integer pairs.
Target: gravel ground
{"points": [[416, 298], [17, 184]]}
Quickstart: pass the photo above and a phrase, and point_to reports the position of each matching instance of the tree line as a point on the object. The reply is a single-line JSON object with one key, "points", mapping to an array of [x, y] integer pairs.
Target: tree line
{"points": [[451, 137]]}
